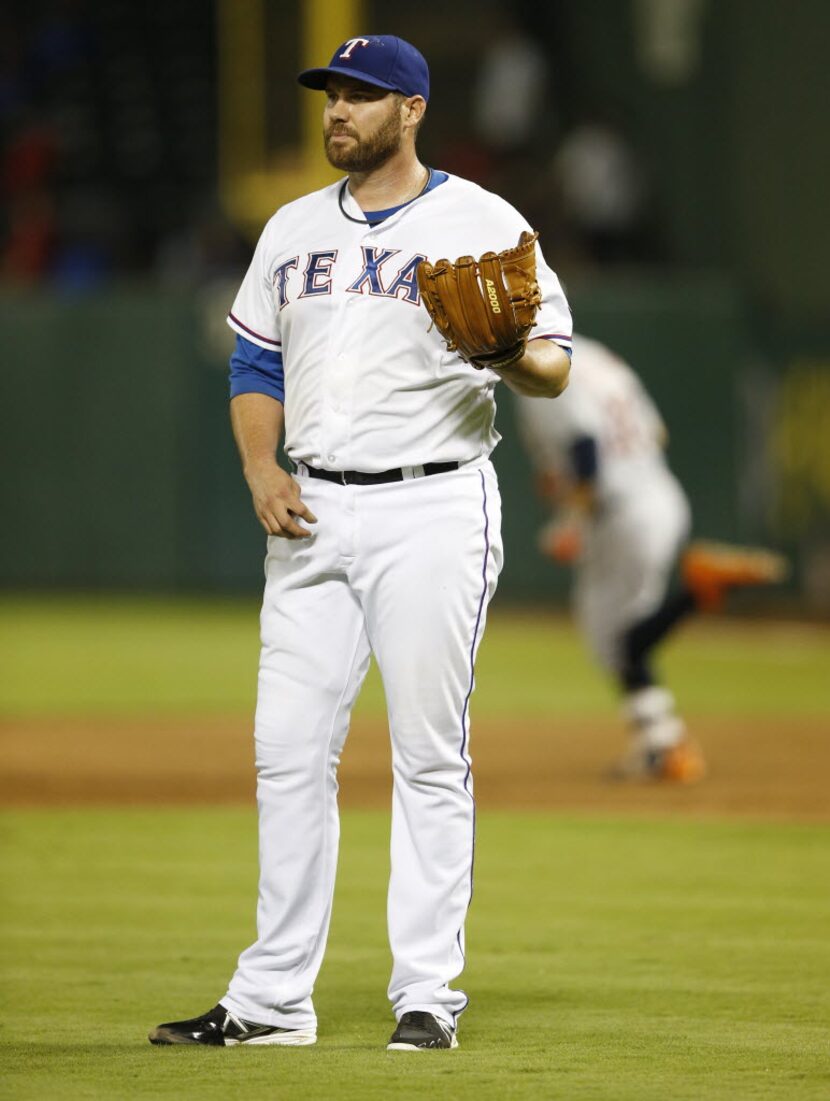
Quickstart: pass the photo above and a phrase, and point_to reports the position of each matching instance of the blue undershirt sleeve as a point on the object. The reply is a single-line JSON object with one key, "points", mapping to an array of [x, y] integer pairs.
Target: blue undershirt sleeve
{"points": [[255, 370], [584, 459]]}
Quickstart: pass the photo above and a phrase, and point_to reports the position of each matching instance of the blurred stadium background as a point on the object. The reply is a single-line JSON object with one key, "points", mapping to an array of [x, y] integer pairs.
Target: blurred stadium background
{"points": [[673, 153]]}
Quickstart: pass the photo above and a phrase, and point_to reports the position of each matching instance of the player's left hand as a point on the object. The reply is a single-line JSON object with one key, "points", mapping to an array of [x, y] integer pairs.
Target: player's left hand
{"points": [[484, 309]]}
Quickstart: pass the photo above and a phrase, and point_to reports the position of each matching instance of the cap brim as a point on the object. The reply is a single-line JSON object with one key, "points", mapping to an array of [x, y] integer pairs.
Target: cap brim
{"points": [[316, 78]]}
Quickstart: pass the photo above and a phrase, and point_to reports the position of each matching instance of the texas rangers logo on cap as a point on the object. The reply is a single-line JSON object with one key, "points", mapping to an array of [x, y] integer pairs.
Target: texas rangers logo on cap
{"points": [[382, 59], [350, 45]]}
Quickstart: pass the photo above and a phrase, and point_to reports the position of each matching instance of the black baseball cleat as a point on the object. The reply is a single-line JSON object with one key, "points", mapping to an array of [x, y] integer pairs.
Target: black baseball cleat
{"points": [[419, 1031], [221, 1028]]}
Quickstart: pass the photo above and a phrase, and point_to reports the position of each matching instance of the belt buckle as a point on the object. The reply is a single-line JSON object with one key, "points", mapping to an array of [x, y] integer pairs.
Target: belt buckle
{"points": [[343, 481]]}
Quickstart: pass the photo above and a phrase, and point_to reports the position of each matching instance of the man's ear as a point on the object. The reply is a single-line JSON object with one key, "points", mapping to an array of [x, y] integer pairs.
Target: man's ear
{"points": [[413, 109]]}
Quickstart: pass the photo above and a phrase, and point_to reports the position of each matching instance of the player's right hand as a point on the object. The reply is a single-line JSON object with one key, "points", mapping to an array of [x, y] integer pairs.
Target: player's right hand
{"points": [[277, 501], [561, 540]]}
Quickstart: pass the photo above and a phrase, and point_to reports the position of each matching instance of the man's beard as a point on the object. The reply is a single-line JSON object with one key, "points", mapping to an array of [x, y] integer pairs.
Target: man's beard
{"points": [[368, 153]]}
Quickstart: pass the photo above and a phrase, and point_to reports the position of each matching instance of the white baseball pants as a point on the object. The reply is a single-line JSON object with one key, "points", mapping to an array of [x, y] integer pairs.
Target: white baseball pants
{"points": [[630, 554], [404, 571]]}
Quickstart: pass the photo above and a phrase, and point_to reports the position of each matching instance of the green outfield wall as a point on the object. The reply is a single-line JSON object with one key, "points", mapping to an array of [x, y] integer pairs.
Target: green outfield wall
{"points": [[120, 471]]}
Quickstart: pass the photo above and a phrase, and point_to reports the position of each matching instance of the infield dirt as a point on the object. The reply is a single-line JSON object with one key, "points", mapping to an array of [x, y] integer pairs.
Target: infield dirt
{"points": [[759, 768]]}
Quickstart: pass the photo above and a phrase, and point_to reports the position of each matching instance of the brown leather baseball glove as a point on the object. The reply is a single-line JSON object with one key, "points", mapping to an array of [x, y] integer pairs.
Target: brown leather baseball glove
{"points": [[484, 308]]}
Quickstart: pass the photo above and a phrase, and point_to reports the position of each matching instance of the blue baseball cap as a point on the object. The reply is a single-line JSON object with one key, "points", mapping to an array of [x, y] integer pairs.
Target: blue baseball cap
{"points": [[379, 59]]}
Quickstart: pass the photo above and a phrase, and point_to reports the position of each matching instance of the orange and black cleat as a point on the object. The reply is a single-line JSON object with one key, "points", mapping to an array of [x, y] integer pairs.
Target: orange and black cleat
{"points": [[681, 763], [711, 570]]}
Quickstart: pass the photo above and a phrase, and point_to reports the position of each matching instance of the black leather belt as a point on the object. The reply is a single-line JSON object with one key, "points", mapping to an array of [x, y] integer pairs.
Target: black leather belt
{"points": [[361, 478]]}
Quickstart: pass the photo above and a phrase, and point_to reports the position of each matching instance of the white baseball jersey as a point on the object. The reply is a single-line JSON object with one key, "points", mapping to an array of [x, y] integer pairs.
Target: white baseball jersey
{"points": [[606, 401], [368, 384]]}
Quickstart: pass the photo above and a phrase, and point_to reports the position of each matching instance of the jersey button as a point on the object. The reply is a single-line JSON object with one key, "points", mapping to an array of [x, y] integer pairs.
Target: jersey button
{"points": [[332, 458]]}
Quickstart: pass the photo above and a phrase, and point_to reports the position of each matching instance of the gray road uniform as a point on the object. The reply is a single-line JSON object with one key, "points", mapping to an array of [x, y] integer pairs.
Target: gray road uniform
{"points": [[642, 516]]}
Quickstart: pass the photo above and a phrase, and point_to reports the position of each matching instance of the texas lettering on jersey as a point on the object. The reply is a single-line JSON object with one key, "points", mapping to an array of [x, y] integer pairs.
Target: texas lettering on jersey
{"points": [[337, 297], [381, 276]]}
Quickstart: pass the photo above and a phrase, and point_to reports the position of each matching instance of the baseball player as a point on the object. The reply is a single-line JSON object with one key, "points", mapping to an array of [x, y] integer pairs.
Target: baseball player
{"points": [[621, 517], [384, 540]]}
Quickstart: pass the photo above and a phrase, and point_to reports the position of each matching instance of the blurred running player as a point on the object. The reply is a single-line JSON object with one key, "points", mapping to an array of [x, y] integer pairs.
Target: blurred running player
{"points": [[621, 518]]}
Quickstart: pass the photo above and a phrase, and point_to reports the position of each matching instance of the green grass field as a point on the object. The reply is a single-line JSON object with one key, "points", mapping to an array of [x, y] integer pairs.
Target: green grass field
{"points": [[609, 958], [141, 656]]}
